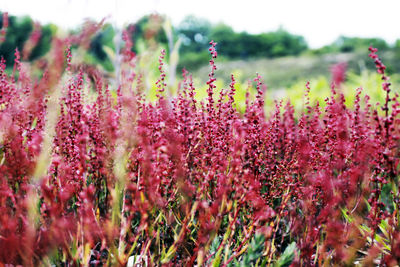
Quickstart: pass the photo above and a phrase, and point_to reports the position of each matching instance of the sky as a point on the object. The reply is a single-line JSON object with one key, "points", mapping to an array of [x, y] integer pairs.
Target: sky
{"points": [[319, 21]]}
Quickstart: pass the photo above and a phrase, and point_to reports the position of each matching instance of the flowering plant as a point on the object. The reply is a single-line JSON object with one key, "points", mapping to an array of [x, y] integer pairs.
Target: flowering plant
{"points": [[185, 182]]}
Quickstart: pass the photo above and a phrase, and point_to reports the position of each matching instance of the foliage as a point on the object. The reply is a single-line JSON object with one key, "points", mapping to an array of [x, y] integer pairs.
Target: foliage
{"points": [[103, 40], [352, 44], [287, 256], [20, 34], [196, 33], [149, 33]]}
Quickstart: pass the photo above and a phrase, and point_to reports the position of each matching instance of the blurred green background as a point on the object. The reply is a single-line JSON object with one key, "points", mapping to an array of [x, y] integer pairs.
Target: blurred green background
{"points": [[283, 59]]}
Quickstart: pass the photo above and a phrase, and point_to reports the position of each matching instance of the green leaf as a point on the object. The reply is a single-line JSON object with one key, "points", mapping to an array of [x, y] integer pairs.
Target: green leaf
{"points": [[287, 257], [348, 218], [169, 255], [254, 251]]}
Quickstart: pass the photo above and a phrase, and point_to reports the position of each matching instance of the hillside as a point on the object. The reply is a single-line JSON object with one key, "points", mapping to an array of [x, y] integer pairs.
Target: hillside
{"points": [[280, 73]]}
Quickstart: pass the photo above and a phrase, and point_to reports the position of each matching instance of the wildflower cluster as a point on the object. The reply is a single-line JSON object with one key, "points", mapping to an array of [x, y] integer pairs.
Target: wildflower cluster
{"points": [[183, 182]]}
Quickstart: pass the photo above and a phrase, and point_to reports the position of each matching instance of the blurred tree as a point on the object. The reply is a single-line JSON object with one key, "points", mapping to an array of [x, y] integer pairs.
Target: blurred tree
{"points": [[18, 32], [397, 44], [195, 34], [352, 44], [396, 57], [44, 43], [100, 42], [244, 45], [148, 30], [229, 43]]}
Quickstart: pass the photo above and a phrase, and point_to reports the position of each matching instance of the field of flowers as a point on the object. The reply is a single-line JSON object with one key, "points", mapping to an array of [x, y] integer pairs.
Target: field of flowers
{"points": [[92, 174]]}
